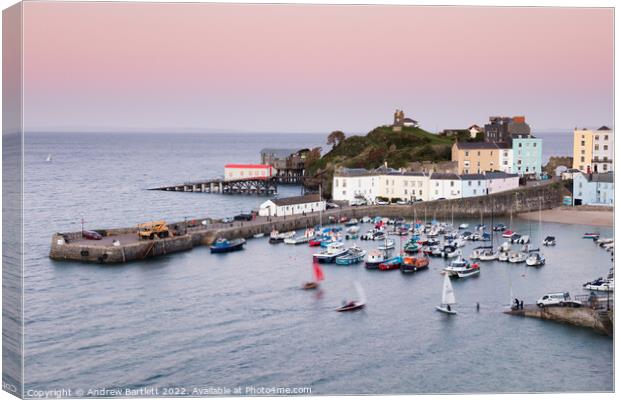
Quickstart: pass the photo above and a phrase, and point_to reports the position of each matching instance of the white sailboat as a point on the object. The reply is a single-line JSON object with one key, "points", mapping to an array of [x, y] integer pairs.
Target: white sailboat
{"points": [[536, 258], [49, 158], [447, 297]]}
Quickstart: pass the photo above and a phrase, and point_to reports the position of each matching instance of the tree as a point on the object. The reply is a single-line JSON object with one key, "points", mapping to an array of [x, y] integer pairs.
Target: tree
{"points": [[313, 156], [335, 138]]}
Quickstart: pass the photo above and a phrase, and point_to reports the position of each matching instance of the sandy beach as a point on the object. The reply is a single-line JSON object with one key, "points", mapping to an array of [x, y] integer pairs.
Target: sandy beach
{"points": [[585, 215]]}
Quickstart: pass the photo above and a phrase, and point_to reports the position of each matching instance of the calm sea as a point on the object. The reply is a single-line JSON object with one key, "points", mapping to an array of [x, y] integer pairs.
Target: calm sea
{"points": [[199, 321]]}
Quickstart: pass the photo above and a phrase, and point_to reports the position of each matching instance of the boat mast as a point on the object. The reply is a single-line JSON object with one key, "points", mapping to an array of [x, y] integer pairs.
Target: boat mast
{"points": [[320, 208]]}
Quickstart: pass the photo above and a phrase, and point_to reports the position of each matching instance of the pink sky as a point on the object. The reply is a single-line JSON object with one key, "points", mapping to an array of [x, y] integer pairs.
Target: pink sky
{"points": [[304, 68]]}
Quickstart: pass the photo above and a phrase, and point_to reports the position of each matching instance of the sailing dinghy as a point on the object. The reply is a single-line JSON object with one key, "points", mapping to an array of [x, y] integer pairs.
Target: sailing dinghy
{"points": [[447, 297], [354, 304]]}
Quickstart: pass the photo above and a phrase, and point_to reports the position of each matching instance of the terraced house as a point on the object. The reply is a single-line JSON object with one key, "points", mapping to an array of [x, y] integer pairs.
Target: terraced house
{"points": [[356, 183]]}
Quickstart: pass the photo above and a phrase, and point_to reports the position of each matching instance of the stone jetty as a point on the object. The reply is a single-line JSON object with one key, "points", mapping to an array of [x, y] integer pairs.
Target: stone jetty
{"points": [[122, 245]]}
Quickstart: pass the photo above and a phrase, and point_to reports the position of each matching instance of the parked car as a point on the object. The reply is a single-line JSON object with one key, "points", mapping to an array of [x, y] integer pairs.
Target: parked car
{"points": [[357, 202], [331, 205], [402, 202], [227, 220], [243, 217], [382, 202], [557, 299], [91, 235]]}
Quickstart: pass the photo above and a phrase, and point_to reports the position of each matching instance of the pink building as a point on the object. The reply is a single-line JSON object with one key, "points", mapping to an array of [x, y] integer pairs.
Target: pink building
{"points": [[247, 171]]}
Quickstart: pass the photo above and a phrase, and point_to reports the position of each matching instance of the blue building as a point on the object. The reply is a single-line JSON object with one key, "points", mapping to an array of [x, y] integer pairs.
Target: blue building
{"points": [[593, 188], [474, 185], [526, 155]]}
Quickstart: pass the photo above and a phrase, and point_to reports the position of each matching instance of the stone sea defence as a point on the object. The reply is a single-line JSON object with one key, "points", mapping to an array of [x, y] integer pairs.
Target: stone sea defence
{"points": [[599, 320], [122, 244]]}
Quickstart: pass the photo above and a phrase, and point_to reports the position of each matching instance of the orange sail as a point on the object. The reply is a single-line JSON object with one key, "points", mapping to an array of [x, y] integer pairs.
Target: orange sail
{"points": [[318, 272]]}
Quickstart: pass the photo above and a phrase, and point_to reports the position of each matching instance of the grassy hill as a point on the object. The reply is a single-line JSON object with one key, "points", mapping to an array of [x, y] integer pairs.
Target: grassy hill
{"points": [[378, 146]]}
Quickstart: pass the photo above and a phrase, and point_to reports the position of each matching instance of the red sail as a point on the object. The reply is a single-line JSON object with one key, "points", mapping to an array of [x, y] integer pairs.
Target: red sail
{"points": [[318, 272]]}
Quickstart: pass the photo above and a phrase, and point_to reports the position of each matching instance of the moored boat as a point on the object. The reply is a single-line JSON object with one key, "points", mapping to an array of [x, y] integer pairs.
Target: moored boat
{"points": [[222, 245], [591, 235], [463, 226], [390, 264], [507, 234], [354, 255], [535, 259], [329, 255], [414, 263], [549, 241]]}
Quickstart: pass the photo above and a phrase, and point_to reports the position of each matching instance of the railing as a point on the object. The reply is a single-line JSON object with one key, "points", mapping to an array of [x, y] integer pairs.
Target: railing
{"points": [[597, 302]]}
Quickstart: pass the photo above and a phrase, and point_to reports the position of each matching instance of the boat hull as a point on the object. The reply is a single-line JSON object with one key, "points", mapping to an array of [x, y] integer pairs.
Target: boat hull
{"points": [[445, 310], [235, 247]]}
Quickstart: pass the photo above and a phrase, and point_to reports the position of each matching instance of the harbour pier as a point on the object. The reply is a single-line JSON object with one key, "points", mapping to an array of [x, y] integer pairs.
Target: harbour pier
{"points": [[597, 316], [257, 186], [120, 245]]}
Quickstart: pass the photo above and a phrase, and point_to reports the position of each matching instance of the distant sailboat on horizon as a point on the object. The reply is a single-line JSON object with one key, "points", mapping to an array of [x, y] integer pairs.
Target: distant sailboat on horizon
{"points": [[49, 158]]}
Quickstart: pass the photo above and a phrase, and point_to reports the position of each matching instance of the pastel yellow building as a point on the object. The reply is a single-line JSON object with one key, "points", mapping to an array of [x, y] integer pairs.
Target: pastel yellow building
{"points": [[476, 157], [583, 140]]}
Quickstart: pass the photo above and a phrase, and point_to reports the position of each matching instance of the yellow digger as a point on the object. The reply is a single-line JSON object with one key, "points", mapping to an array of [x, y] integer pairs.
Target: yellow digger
{"points": [[149, 230]]}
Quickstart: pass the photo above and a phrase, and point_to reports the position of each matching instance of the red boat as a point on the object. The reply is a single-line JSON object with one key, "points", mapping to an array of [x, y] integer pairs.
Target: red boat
{"points": [[507, 233], [314, 243], [392, 263]]}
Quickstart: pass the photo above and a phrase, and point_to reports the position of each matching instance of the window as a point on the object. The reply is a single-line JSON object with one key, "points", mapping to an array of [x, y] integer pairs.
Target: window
{"points": [[469, 183], [344, 183], [452, 183], [520, 144], [406, 184], [467, 154], [478, 154], [474, 191], [596, 137], [479, 183], [583, 143], [420, 193], [606, 137], [533, 144], [596, 147], [336, 182], [604, 167], [344, 192], [405, 191], [605, 147]]}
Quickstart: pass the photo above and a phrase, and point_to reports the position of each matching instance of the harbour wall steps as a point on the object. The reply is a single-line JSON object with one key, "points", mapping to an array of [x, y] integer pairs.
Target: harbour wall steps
{"points": [[70, 246]]}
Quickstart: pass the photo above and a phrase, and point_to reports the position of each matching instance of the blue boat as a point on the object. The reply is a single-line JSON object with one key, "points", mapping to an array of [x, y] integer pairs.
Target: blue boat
{"points": [[224, 245], [353, 256]]}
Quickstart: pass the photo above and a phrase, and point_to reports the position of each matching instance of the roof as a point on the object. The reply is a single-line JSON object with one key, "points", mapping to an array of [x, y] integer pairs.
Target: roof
{"points": [[607, 177], [352, 172], [472, 177], [289, 201], [258, 166], [281, 153], [444, 176], [499, 174], [603, 128], [504, 145], [408, 173], [475, 145], [410, 120]]}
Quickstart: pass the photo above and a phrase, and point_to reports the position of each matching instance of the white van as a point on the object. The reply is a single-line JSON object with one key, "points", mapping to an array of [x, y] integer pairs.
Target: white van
{"points": [[555, 299], [357, 202]]}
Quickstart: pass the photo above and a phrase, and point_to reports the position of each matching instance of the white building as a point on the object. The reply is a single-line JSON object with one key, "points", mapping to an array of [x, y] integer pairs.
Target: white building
{"points": [[473, 185], [593, 188], [603, 150], [501, 181], [291, 206], [445, 186], [357, 183], [505, 158], [247, 171], [474, 130]]}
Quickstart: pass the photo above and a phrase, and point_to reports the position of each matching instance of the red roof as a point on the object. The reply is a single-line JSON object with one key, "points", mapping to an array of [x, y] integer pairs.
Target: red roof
{"points": [[259, 166]]}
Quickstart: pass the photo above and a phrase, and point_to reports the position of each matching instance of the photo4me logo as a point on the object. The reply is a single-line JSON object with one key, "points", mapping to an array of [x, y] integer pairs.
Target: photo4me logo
{"points": [[9, 387]]}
